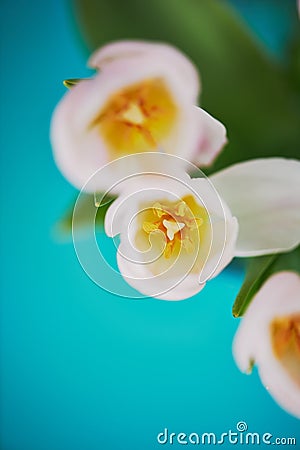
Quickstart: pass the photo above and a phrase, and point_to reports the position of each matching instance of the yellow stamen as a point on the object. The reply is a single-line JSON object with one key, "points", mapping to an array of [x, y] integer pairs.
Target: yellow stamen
{"points": [[158, 210], [181, 209], [286, 333], [183, 226], [285, 336], [149, 227], [137, 118]]}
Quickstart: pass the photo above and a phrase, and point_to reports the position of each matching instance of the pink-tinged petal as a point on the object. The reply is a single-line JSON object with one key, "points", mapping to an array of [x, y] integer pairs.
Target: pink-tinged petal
{"points": [[179, 62], [279, 297], [211, 141], [78, 150], [264, 196]]}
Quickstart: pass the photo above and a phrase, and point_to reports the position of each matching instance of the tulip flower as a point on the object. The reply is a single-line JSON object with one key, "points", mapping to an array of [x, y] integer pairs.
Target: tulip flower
{"points": [[269, 336], [176, 232], [141, 99], [172, 232]]}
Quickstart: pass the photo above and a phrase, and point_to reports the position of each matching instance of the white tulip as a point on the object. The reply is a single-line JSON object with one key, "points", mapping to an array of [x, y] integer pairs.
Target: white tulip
{"points": [[142, 99], [177, 232], [269, 336]]}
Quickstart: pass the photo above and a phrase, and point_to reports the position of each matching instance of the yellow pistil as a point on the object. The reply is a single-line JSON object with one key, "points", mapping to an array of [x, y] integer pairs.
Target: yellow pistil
{"points": [[172, 228], [178, 224], [133, 114], [285, 336], [137, 118]]}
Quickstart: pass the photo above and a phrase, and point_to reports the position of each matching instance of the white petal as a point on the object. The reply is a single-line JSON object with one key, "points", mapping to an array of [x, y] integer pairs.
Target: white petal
{"points": [[279, 297], [130, 49], [264, 196], [224, 228], [212, 140], [225, 233], [173, 289], [78, 150]]}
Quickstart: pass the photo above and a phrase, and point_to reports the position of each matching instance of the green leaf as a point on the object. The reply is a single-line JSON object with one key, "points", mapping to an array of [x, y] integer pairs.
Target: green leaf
{"points": [[255, 276], [242, 86], [71, 82], [258, 271], [87, 201]]}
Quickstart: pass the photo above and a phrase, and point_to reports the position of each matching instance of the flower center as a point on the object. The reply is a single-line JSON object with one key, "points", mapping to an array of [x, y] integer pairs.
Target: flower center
{"points": [[172, 228], [137, 118], [178, 223], [285, 336], [134, 114]]}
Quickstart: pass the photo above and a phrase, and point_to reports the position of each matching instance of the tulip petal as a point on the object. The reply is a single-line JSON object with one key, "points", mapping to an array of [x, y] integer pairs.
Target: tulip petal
{"points": [[131, 49], [278, 297], [212, 140], [264, 196], [140, 278], [78, 151]]}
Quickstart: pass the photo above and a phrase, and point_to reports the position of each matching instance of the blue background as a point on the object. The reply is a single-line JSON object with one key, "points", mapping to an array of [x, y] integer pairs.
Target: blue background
{"points": [[81, 368]]}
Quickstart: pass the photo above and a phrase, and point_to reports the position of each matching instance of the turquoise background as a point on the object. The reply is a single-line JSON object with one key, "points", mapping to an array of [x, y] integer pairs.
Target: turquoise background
{"points": [[82, 369]]}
